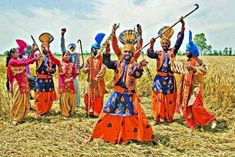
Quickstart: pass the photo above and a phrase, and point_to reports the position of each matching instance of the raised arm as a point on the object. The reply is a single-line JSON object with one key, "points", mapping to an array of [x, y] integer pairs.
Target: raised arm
{"points": [[115, 46], [15, 62], [150, 51], [106, 57], [62, 44], [139, 44], [180, 37], [53, 59]]}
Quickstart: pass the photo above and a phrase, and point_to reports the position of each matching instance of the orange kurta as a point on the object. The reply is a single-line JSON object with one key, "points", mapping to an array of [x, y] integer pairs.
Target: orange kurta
{"points": [[190, 96], [95, 87]]}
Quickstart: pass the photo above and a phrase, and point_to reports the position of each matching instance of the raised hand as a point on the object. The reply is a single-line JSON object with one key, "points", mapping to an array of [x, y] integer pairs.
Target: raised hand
{"points": [[63, 30], [107, 45], [38, 57], [182, 21], [114, 28], [152, 41], [139, 29], [34, 48]]}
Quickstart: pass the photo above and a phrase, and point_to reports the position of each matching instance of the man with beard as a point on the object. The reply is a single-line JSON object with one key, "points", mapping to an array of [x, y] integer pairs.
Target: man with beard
{"points": [[190, 95], [122, 118], [45, 93], [132, 34], [95, 87], [74, 58], [164, 86]]}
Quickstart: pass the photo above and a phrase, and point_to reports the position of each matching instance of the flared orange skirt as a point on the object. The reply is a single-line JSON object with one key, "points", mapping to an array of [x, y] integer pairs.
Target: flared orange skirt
{"points": [[121, 129], [43, 101], [163, 106]]}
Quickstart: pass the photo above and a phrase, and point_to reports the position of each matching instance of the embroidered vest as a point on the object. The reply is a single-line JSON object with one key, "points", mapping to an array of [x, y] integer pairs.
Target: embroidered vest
{"points": [[129, 79], [160, 59]]}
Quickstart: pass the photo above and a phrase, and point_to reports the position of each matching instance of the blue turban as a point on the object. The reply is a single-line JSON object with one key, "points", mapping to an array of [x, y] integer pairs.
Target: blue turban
{"points": [[72, 45], [98, 38], [191, 47]]}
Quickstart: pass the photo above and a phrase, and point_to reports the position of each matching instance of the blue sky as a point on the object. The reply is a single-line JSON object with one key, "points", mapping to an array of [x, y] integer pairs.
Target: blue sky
{"points": [[83, 19]]}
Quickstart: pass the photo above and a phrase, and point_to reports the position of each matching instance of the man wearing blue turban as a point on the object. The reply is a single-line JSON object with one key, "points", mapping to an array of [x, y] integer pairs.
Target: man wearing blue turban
{"points": [[190, 95], [95, 86]]}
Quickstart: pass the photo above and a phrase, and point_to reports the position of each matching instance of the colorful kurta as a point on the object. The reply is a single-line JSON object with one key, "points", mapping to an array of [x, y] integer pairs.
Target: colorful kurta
{"points": [[67, 74], [122, 118], [74, 58], [164, 85], [44, 86], [190, 95], [95, 87], [20, 102]]}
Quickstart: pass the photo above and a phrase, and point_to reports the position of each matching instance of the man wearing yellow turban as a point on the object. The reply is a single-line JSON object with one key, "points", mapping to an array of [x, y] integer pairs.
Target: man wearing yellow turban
{"points": [[164, 85], [122, 118], [45, 92]]}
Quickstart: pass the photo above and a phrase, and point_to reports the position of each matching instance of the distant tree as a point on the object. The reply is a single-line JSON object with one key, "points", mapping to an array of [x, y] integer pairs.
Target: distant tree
{"points": [[230, 51], [215, 52], [220, 52], [200, 40], [225, 51], [209, 49], [6, 52]]}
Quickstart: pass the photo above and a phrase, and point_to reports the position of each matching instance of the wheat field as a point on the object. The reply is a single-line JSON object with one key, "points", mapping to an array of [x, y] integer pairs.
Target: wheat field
{"points": [[54, 136]]}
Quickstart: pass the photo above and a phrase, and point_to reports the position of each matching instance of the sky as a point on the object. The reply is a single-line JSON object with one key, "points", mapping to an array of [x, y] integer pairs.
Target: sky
{"points": [[85, 18]]}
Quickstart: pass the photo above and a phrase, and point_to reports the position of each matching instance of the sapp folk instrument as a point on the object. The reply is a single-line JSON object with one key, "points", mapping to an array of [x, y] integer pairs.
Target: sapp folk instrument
{"points": [[80, 44], [179, 67]]}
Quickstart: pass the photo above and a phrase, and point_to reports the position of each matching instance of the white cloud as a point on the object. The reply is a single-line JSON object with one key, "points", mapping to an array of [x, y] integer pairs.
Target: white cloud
{"points": [[151, 14]]}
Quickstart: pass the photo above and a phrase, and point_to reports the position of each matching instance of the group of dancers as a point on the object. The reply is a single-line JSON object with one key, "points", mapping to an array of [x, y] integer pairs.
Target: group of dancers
{"points": [[121, 118]]}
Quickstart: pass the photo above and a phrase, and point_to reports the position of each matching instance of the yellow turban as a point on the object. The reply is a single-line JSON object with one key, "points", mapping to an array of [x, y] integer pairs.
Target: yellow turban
{"points": [[128, 47], [165, 40]]}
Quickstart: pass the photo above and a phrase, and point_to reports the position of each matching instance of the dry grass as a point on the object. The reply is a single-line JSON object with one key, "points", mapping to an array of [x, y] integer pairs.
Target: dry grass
{"points": [[54, 136]]}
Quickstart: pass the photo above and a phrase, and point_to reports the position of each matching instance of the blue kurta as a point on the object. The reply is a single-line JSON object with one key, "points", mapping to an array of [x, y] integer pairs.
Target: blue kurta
{"points": [[121, 104], [45, 84]]}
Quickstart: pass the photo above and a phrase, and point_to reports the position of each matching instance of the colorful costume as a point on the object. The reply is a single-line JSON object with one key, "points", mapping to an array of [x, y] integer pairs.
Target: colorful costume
{"points": [[190, 94], [122, 118], [132, 35], [45, 93], [19, 87], [67, 74], [74, 58], [164, 86], [95, 88]]}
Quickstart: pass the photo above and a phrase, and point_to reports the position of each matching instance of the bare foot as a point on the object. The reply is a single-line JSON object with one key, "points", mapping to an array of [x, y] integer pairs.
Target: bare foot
{"points": [[213, 124], [156, 122], [15, 123]]}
